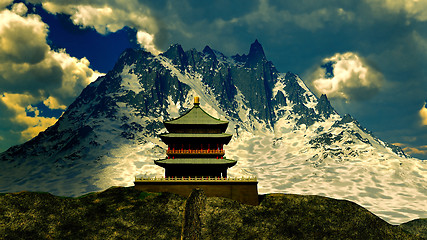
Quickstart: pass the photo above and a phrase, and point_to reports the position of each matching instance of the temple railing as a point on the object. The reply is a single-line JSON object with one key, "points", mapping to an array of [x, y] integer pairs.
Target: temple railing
{"points": [[205, 151], [215, 179]]}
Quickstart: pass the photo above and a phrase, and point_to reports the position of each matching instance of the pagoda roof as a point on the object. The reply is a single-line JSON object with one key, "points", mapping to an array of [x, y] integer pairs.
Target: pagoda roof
{"points": [[196, 161], [196, 135], [201, 137], [196, 116]]}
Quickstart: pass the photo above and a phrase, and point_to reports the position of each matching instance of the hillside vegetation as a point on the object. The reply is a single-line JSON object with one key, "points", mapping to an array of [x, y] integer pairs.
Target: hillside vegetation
{"points": [[125, 213]]}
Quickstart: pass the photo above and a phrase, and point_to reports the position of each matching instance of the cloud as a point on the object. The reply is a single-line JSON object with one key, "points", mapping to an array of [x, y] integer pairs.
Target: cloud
{"points": [[76, 75], [418, 150], [346, 76], [31, 125], [419, 41], [15, 31], [423, 115], [5, 3], [111, 16], [28, 64], [19, 9], [32, 73], [52, 103], [313, 18], [416, 9]]}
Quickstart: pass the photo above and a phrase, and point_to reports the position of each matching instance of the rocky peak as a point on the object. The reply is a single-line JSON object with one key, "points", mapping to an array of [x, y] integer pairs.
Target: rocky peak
{"points": [[209, 52], [128, 57], [256, 55], [324, 106], [210, 57], [177, 55], [347, 118], [294, 89]]}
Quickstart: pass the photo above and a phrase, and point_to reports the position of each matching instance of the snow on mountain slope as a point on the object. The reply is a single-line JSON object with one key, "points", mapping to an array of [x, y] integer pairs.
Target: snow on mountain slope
{"points": [[291, 140]]}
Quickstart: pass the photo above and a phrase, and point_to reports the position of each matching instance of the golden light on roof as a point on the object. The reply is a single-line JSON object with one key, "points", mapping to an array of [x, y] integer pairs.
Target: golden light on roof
{"points": [[196, 100]]}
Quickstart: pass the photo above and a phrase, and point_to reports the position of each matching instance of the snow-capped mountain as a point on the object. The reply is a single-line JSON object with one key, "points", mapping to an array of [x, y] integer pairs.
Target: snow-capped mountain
{"points": [[283, 134]]}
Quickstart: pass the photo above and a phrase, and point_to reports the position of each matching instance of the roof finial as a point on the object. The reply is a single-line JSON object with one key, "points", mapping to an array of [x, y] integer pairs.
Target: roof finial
{"points": [[196, 101]]}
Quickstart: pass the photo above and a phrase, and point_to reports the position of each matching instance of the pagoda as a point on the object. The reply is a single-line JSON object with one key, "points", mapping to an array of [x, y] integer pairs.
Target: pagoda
{"points": [[195, 160], [195, 145]]}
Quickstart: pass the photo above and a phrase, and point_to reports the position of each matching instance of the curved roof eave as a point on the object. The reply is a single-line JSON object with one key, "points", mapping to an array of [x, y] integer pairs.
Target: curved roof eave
{"points": [[196, 161], [196, 116]]}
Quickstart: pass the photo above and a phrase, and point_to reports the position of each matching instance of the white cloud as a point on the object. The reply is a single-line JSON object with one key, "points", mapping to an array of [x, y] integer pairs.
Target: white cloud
{"points": [[22, 39], [146, 40], [52, 103], [5, 3], [76, 75], [423, 115], [31, 72], [416, 9], [29, 65], [110, 16], [19, 8], [352, 78]]}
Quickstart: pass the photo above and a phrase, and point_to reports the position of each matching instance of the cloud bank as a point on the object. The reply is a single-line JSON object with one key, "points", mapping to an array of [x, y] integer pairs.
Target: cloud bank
{"points": [[31, 73]]}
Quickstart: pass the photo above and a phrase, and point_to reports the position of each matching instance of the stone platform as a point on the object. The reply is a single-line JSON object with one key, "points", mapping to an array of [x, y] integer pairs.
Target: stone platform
{"points": [[244, 190]]}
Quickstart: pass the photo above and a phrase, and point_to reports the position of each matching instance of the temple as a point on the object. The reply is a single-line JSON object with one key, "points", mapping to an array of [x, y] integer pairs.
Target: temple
{"points": [[195, 158], [195, 145]]}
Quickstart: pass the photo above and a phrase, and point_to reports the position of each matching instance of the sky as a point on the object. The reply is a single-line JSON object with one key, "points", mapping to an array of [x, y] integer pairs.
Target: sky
{"points": [[368, 56]]}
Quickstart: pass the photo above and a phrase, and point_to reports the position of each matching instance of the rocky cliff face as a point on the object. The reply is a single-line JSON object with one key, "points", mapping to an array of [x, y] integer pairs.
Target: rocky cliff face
{"points": [[287, 137]]}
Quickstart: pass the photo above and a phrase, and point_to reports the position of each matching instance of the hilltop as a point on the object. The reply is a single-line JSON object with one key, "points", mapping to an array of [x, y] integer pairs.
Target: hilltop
{"points": [[125, 213]]}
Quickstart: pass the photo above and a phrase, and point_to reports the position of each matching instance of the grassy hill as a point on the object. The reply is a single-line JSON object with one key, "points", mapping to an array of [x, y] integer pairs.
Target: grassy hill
{"points": [[125, 213]]}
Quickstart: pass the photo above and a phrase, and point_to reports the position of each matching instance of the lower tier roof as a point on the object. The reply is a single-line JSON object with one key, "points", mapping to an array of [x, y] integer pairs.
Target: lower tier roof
{"points": [[195, 161]]}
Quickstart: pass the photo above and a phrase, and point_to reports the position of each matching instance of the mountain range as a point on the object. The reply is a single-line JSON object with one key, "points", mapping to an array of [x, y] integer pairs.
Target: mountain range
{"points": [[290, 139]]}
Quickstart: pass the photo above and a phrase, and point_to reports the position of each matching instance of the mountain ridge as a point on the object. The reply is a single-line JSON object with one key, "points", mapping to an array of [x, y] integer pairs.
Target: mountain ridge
{"points": [[290, 139]]}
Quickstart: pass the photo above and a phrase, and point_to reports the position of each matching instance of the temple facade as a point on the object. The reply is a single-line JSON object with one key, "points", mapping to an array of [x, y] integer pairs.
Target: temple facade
{"points": [[195, 145]]}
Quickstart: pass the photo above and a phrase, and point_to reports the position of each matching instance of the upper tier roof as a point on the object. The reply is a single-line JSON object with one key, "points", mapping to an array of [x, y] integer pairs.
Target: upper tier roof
{"points": [[196, 116], [170, 138]]}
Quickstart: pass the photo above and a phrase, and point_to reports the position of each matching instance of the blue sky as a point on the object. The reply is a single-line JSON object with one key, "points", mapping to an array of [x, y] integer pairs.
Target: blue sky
{"points": [[368, 56]]}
